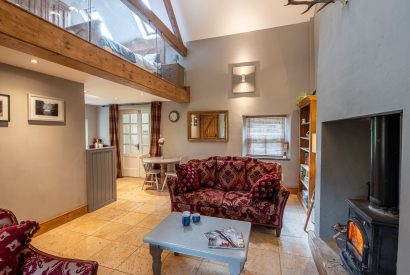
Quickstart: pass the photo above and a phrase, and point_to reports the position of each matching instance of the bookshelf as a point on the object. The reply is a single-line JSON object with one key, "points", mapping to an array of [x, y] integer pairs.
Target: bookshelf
{"points": [[307, 158]]}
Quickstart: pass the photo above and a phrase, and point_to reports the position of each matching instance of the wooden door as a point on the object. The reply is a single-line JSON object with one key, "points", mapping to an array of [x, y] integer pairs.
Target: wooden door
{"points": [[209, 126]]}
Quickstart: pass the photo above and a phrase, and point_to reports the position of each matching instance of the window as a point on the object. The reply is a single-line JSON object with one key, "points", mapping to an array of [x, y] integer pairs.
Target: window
{"points": [[145, 29], [265, 136]]}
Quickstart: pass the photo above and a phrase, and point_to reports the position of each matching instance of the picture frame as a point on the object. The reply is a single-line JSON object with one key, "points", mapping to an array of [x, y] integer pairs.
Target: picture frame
{"points": [[4, 108], [47, 109]]}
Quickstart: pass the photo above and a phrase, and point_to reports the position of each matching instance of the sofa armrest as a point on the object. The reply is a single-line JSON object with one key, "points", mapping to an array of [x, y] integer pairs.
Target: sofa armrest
{"points": [[280, 199], [172, 188], [39, 262]]}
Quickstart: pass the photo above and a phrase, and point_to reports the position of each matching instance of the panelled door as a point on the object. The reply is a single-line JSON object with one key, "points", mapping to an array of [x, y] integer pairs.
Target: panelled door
{"points": [[135, 140]]}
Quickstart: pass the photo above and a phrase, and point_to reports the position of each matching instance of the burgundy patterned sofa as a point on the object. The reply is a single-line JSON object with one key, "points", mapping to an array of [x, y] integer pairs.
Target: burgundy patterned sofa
{"points": [[34, 261], [224, 191]]}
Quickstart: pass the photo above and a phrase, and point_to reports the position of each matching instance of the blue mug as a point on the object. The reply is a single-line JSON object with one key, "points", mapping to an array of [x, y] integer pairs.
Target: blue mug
{"points": [[196, 217], [186, 218]]}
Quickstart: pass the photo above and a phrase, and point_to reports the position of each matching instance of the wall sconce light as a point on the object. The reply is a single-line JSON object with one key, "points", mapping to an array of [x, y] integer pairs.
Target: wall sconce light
{"points": [[243, 79]]}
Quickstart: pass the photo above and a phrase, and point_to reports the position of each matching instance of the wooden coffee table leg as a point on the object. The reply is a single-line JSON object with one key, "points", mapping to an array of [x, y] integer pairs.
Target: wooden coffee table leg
{"points": [[156, 252], [235, 268]]}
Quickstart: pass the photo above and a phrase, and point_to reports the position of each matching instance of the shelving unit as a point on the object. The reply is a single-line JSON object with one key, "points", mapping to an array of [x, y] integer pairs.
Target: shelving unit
{"points": [[307, 158]]}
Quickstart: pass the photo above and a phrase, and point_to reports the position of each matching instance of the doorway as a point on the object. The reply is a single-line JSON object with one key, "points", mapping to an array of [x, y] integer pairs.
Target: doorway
{"points": [[135, 140]]}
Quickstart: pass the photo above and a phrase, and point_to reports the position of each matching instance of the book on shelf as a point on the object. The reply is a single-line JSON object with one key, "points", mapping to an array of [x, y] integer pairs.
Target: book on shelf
{"points": [[227, 238]]}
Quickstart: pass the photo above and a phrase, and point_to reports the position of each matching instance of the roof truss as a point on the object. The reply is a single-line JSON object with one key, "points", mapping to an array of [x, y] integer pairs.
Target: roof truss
{"points": [[139, 7]]}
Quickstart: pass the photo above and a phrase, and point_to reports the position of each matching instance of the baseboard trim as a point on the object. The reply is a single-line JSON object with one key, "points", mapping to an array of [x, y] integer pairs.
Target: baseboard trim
{"points": [[61, 219], [293, 190]]}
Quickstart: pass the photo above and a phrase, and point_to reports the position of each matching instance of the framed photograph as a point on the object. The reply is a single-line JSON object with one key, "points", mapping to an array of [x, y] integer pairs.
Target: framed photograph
{"points": [[41, 108], [4, 108]]}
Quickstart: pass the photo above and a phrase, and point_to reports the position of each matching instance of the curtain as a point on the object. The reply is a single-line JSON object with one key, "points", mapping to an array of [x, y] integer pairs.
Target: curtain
{"points": [[155, 150], [265, 136], [114, 135]]}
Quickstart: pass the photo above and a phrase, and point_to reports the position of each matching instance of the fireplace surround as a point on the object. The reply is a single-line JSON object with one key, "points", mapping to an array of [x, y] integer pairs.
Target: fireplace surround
{"points": [[372, 228]]}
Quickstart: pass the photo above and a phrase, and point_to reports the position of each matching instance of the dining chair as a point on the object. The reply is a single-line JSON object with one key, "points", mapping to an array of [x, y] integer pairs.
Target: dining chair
{"points": [[172, 173], [149, 172]]}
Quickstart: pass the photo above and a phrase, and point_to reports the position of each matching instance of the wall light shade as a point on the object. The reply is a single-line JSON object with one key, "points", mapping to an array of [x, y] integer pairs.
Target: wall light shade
{"points": [[243, 79]]}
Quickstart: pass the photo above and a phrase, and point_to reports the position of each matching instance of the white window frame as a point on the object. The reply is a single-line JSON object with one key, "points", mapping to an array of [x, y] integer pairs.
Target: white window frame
{"points": [[285, 139]]}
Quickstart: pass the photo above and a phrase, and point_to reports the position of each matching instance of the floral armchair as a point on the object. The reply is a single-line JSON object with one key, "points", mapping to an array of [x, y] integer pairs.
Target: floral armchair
{"points": [[35, 261]]}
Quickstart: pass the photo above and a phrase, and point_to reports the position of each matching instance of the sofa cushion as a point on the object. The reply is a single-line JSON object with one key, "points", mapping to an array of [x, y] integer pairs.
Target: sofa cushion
{"points": [[238, 205], [230, 175], [187, 178], [236, 200], [13, 239], [256, 169], [262, 212], [202, 197], [206, 170], [265, 187]]}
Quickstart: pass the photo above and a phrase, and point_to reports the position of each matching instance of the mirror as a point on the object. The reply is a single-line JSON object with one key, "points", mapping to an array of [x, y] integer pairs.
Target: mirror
{"points": [[208, 126]]}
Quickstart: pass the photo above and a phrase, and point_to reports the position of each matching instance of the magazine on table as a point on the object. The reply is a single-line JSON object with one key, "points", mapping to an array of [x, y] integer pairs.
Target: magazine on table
{"points": [[227, 238]]}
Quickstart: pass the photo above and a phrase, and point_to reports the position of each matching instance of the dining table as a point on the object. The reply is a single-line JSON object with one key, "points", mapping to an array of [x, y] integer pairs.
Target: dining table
{"points": [[163, 162]]}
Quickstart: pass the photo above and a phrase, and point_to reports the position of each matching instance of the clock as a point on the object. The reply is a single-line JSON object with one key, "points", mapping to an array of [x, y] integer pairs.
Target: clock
{"points": [[173, 116]]}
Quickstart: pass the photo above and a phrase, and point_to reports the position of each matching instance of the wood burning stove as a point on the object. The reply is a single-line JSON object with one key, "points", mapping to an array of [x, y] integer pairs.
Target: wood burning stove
{"points": [[372, 239], [372, 229]]}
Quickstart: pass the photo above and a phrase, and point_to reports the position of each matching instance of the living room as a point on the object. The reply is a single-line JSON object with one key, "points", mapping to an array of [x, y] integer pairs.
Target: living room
{"points": [[351, 57]]}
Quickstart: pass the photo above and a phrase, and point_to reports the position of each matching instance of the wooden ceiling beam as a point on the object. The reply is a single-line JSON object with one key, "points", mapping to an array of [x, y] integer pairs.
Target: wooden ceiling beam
{"points": [[138, 7], [25, 32], [172, 18]]}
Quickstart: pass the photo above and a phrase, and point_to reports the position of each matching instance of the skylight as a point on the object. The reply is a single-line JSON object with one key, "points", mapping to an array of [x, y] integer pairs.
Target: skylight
{"points": [[145, 29]]}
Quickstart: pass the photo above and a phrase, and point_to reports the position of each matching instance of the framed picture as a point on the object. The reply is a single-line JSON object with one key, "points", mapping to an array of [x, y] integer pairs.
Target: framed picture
{"points": [[4, 108], [41, 108]]}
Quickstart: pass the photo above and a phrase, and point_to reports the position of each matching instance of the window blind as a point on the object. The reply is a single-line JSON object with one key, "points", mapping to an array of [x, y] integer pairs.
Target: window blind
{"points": [[265, 136]]}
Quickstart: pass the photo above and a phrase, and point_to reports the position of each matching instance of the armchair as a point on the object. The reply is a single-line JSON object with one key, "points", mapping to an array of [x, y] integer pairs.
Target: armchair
{"points": [[38, 262]]}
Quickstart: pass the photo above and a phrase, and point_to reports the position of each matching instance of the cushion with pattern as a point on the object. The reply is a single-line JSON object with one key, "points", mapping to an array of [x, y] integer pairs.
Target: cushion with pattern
{"points": [[265, 187], [256, 169], [230, 175], [188, 179], [206, 172], [13, 239]]}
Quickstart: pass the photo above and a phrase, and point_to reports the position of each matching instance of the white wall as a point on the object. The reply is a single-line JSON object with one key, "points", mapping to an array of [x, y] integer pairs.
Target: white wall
{"points": [[91, 115], [42, 167], [363, 68], [283, 54], [104, 124]]}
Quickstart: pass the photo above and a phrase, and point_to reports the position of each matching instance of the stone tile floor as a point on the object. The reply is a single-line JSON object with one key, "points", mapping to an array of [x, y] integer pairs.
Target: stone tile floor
{"points": [[113, 235]]}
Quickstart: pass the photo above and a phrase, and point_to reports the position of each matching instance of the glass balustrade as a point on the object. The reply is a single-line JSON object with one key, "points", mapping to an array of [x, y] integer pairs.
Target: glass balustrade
{"points": [[112, 26]]}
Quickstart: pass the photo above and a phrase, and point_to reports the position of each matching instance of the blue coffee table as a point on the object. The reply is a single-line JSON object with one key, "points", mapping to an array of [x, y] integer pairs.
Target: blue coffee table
{"points": [[170, 235]]}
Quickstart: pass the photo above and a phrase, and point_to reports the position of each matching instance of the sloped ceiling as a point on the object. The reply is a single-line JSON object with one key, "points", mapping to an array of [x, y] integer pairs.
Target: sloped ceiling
{"points": [[201, 19]]}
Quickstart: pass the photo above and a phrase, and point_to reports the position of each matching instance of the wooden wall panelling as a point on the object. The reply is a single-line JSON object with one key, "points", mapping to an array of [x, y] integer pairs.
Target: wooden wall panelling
{"points": [[101, 177]]}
